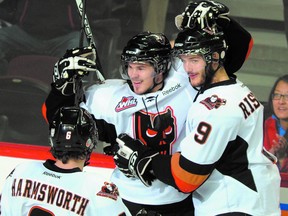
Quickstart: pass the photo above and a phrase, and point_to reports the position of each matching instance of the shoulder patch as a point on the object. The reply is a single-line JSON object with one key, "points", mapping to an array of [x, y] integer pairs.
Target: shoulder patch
{"points": [[109, 190], [213, 102]]}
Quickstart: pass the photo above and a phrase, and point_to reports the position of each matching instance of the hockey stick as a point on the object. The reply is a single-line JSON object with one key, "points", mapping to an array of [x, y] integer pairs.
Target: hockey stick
{"points": [[85, 26], [85, 29]]}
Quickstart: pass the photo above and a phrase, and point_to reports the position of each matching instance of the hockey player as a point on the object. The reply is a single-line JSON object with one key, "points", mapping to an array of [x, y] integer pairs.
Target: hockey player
{"points": [[60, 187], [151, 105], [148, 106], [221, 159]]}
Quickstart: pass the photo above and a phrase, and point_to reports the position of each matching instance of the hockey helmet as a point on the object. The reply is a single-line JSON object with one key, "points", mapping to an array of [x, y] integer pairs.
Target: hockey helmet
{"points": [[200, 42], [153, 48], [73, 129]]}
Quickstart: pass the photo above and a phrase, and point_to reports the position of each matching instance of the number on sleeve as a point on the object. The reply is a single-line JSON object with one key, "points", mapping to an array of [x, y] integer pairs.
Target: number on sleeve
{"points": [[203, 131]]}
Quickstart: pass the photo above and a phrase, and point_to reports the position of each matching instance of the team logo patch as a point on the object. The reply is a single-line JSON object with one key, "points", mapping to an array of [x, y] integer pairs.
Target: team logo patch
{"points": [[125, 103], [213, 102], [109, 190], [156, 130]]}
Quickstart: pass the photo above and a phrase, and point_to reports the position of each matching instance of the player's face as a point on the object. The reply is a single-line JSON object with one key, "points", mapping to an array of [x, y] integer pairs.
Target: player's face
{"points": [[194, 65], [143, 76], [280, 101]]}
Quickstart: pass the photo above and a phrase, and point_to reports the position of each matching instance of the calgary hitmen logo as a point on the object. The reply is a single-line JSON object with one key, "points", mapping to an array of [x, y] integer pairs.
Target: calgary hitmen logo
{"points": [[125, 103], [213, 102]]}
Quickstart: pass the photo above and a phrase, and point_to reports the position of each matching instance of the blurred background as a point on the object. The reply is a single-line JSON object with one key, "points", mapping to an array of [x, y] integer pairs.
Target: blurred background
{"points": [[35, 33]]}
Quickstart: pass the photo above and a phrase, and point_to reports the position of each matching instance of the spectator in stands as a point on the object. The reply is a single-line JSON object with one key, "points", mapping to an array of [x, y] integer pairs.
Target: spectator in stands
{"points": [[276, 126], [45, 27]]}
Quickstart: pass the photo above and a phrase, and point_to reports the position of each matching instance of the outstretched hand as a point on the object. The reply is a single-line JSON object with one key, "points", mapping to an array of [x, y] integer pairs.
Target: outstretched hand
{"points": [[76, 63]]}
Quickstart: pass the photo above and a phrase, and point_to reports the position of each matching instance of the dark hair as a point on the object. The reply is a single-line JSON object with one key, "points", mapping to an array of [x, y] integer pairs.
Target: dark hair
{"points": [[283, 78], [65, 156]]}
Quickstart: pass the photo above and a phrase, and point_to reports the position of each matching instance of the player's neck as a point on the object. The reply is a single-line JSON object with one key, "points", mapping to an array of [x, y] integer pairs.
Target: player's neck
{"points": [[220, 76], [70, 165]]}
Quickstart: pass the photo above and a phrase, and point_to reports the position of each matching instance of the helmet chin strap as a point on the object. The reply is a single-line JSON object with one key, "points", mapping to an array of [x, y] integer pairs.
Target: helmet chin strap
{"points": [[154, 83], [87, 160], [210, 72]]}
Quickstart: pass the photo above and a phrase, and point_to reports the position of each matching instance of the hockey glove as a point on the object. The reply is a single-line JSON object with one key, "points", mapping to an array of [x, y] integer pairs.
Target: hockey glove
{"points": [[76, 62], [110, 149], [134, 159], [203, 15]]}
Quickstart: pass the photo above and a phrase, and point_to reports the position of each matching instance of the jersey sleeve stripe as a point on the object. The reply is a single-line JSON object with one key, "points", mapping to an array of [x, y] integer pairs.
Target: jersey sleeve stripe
{"points": [[184, 180]]}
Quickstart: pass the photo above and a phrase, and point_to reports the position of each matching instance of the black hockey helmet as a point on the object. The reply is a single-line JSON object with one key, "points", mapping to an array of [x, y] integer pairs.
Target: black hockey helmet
{"points": [[73, 129], [200, 42], [204, 43], [149, 47]]}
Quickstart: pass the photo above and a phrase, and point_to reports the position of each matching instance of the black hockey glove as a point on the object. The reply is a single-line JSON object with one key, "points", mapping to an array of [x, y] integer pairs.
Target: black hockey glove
{"points": [[110, 149], [134, 159], [76, 62], [203, 15]]}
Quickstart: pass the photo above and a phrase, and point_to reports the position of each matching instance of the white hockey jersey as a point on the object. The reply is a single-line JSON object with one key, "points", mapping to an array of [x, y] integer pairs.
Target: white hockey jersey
{"points": [[157, 119], [225, 134], [33, 189]]}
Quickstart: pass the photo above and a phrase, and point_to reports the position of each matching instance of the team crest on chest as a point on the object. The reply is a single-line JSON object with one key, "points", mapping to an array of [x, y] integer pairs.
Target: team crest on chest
{"points": [[126, 103], [156, 130], [213, 102]]}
